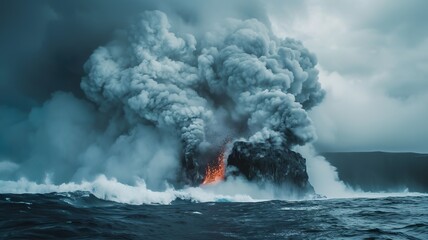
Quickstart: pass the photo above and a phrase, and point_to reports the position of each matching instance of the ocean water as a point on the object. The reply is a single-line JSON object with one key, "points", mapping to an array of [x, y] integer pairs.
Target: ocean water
{"points": [[82, 215]]}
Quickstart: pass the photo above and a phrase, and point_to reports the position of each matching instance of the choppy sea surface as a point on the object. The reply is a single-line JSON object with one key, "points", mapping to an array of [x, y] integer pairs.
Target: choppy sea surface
{"points": [[81, 215]]}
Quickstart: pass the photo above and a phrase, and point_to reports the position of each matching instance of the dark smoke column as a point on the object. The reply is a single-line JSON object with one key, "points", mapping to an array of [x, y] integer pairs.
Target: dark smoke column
{"points": [[238, 79]]}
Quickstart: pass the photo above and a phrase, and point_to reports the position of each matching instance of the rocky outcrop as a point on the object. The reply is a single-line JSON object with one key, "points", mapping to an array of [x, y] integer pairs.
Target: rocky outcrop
{"points": [[265, 162]]}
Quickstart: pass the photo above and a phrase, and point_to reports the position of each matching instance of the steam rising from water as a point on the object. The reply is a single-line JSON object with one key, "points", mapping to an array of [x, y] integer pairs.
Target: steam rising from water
{"points": [[138, 193], [239, 80], [164, 96]]}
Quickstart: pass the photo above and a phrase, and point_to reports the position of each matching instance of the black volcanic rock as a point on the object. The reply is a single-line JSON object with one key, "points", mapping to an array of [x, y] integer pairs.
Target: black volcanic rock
{"points": [[276, 164], [192, 173]]}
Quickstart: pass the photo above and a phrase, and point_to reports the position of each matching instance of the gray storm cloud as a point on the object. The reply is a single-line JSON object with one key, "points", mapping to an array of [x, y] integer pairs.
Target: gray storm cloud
{"points": [[239, 79]]}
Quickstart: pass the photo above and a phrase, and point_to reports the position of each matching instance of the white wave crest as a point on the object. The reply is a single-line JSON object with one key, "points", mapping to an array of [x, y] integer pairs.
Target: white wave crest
{"points": [[138, 193], [232, 190]]}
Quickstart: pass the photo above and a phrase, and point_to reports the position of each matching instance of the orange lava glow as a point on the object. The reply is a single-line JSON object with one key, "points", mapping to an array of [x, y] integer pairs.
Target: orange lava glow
{"points": [[215, 172]]}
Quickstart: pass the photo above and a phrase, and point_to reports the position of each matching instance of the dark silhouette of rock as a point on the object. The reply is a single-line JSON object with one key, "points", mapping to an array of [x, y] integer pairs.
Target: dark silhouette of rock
{"points": [[267, 162]]}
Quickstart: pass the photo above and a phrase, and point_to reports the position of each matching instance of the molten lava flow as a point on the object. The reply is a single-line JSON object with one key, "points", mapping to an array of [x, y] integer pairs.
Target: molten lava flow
{"points": [[215, 172]]}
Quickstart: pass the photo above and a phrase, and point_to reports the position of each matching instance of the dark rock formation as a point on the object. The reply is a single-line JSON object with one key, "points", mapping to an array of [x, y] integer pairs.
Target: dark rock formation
{"points": [[189, 173], [265, 162]]}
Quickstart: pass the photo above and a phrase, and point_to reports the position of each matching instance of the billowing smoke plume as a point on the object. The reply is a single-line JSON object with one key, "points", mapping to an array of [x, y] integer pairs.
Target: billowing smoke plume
{"points": [[239, 79], [150, 72], [165, 100]]}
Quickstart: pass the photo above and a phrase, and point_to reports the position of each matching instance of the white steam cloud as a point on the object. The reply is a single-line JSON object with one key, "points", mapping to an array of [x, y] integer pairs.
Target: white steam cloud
{"points": [[166, 99], [239, 79]]}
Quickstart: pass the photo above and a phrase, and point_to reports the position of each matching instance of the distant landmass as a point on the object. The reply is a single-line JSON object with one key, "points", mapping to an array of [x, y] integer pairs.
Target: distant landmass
{"points": [[381, 171]]}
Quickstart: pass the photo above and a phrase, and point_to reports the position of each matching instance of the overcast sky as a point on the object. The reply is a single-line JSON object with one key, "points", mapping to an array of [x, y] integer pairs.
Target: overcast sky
{"points": [[373, 61], [372, 56]]}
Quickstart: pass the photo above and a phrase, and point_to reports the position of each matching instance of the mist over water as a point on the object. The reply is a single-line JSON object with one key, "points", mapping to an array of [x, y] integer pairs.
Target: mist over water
{"points": [[194, 120], [322, 176], [165, 100], [161, 100]]}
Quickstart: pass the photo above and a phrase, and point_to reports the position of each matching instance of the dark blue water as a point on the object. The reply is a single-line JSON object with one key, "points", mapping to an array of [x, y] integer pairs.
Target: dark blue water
{"points": [[81, 215]]}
